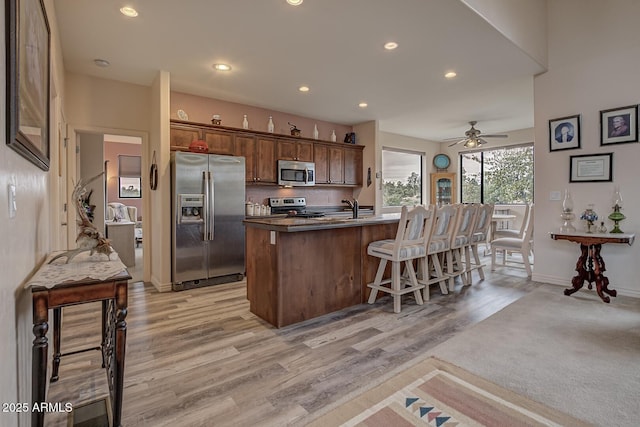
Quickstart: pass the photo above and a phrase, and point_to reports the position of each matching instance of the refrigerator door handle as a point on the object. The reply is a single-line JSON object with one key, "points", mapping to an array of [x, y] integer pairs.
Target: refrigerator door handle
{"points": [[205, 184], [211, 207]]}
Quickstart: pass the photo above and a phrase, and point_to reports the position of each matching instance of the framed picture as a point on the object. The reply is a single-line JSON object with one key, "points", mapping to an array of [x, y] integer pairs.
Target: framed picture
{"points": [[28, 40], [564, 133], [591, 168], [619, 125], [129, 188]]}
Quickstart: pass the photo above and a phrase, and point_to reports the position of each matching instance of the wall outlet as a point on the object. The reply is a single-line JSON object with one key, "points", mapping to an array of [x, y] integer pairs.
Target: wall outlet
{"points": [[555, 195]]}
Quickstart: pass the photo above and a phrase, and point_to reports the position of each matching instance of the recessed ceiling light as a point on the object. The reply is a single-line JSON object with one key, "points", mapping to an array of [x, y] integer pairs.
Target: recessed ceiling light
{"points": [[222, 67], [363, 105], [294, 2], [101, 62], [303, 88], [450, 75], [390, 45], [129, 11]]}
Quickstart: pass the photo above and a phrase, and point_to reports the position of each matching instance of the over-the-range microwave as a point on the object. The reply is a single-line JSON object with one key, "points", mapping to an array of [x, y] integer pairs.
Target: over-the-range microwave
{"points": [[296, 174]]}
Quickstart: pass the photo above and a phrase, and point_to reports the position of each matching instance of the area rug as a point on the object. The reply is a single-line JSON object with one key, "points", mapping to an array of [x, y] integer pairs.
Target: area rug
{"points": [[574, 353], [436, 393]]}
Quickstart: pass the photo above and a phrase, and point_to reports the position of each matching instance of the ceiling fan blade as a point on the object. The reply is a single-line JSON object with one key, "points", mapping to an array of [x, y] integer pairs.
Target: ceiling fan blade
{"points": [[457, 142], [453, 139], [495, 136], [482, 141]]}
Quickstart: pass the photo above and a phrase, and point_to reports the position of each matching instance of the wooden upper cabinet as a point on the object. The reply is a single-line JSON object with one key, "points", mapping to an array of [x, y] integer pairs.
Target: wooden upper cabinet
{"points": [[245, 146], [352, 166], [321, 159], [219, 142], [336, 165], [266, 165], [181, 136], [295, 150]]}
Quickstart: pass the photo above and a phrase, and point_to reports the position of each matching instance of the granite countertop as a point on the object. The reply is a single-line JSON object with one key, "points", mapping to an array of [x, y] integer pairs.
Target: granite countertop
{"points": [[293, 224]]}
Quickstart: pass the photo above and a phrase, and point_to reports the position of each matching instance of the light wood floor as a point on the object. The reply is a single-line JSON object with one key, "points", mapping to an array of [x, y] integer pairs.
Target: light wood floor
{"points": [[200, 358]]}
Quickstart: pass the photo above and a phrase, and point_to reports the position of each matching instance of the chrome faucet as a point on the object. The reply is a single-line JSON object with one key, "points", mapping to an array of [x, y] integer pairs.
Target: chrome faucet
{"points": [[353, 205]]}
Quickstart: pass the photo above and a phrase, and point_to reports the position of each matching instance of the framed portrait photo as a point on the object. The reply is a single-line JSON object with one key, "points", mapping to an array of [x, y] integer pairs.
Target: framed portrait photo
{"points": [[591, 168], [619, 125], [28, 40], [564, 133]]}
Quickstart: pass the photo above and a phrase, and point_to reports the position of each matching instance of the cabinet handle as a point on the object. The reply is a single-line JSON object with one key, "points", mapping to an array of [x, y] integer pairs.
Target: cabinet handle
{"points": [[258, 179]]}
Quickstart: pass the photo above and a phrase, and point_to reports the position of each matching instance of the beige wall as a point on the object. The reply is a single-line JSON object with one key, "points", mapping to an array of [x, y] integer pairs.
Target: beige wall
{"points": [[26, 239], [200, 110], [367, 135], [594, 55]]}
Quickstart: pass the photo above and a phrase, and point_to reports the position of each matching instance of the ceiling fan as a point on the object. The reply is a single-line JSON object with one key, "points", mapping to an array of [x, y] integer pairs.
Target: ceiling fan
{"points": [[472, 137]]}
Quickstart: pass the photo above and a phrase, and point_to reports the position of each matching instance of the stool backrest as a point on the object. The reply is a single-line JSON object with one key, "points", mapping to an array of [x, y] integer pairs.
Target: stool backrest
{"points": [[483, 222], [465, 221], [442, 228], [414, 227]]}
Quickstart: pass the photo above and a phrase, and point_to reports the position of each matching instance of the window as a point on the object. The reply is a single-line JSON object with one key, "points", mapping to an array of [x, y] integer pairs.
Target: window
{"points": [[129, 177], [499, 176], [401, 178]]}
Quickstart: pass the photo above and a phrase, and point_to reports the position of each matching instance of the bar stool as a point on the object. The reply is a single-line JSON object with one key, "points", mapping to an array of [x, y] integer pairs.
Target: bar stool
{"points": [[410, 243]]}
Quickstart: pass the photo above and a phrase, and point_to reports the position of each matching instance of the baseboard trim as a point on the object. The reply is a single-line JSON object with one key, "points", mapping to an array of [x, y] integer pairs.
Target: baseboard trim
{"points": [[566, 283]]}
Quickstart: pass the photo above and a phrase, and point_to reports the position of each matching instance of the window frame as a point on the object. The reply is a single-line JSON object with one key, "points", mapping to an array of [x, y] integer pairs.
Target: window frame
{"points": [[482, 169], [422, 183]]}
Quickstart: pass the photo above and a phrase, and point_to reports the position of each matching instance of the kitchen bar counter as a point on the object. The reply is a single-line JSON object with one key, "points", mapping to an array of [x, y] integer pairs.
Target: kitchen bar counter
{"points": [[301, 268]]}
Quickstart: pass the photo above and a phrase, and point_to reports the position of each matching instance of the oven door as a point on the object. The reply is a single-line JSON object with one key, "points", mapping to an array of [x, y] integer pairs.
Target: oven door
{"points": [[296, 174]]}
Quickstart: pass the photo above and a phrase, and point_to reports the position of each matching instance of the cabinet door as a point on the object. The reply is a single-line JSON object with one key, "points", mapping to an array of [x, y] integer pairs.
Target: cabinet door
{"points": [[304, 151], [286, 150], [353, 166], [181, 137], [245, 146], [336, 165], [321, 159], [266, 160], [219, 142]]}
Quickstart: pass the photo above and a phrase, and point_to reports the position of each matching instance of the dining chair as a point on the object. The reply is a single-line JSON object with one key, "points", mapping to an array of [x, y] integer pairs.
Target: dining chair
{"points": [[410, 244], [438, 252], [514, 232], [511, 245], [460, 242], [479, 235]]}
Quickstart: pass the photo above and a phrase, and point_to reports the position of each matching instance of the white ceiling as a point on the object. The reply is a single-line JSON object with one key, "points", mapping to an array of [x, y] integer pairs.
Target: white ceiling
{"points": [[333, 46]]}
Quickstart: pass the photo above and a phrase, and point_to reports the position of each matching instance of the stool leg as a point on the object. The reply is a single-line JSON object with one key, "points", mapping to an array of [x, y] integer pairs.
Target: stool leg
{"points": [[57, 323], [374, 292], [395, 285]]}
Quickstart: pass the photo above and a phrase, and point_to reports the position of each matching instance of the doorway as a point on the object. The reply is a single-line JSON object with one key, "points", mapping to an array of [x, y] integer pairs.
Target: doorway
{"points": [[118, 197]]}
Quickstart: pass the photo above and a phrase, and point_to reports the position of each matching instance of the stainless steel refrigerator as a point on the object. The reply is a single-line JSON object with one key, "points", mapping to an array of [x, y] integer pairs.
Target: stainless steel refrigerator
{"points": [[208, 193]]}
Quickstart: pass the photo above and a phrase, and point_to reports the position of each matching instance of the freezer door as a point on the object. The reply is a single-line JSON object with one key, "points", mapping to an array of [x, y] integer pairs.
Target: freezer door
{"points": [[189, 249], [226, 244]]}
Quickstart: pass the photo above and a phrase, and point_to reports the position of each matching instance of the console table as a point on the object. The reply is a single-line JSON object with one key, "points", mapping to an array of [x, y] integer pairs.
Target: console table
{"points": [[84, 279], [590, 265]]}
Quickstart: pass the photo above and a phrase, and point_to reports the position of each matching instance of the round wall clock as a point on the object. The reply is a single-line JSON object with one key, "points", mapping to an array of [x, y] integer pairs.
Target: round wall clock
{"points": [[441, 161]]}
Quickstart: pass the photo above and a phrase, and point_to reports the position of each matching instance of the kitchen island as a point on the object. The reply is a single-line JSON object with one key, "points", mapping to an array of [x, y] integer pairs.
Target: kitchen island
{"points": [[301, 268]]}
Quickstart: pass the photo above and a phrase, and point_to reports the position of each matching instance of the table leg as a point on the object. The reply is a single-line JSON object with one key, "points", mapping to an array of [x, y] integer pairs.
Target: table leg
{"points": [[57, 331], [602, 282], [120, 344], [583, 274], [39, 357]]}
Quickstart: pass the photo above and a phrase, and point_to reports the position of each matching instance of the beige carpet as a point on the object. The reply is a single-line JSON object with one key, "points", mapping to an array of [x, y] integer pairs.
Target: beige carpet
{"points": [[573, 353], [436, 393]]}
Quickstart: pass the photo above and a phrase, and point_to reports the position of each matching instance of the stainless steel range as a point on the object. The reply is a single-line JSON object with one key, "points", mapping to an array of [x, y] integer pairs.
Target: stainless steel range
{"points": [[292, 206]]}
